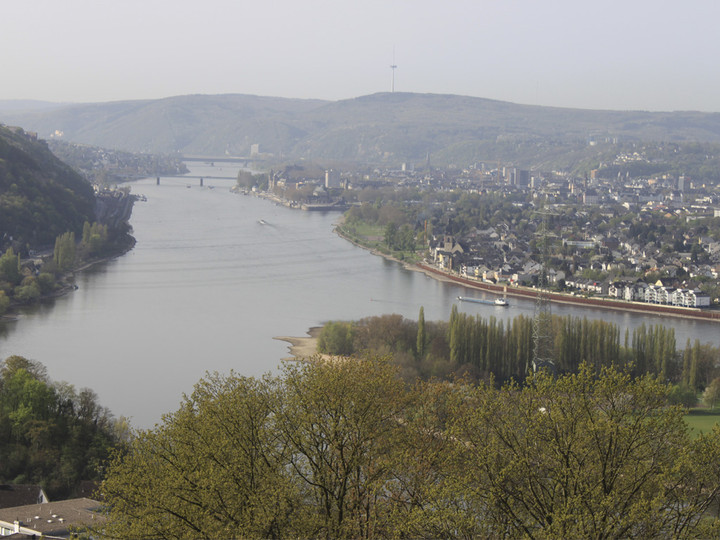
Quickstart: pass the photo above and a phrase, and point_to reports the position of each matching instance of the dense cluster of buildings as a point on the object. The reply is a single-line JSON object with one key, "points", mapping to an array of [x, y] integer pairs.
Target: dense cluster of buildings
{"points": [[593, 234], [503, 253], [503, 258]]}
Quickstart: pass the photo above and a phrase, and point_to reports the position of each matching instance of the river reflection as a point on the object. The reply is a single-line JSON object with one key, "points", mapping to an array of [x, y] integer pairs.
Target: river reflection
{"points": [[213, 277]]}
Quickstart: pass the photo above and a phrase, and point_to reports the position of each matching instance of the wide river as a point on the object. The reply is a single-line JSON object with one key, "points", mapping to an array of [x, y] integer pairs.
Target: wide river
{"points": [[214, 276]]}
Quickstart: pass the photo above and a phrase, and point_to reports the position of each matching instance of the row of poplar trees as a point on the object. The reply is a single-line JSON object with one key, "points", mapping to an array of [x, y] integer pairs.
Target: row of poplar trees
{"points": [[94, 240], [487, 348], [506, 349]]}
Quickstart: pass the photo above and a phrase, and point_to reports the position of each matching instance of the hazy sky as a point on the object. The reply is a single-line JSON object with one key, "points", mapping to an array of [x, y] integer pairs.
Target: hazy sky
{"points": [[606, 54]]}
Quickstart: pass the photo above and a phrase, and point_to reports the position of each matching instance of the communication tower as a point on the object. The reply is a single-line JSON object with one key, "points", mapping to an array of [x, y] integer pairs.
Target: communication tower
{"points": [[393, 67]]}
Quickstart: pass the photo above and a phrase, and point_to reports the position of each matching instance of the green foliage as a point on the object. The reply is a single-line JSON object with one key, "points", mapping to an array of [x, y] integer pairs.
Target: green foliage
{"points": [[305, 454], [52, 435], [583, 457], [46, 281], [401, 222], [488, 346], [700, 362], [400, 238], [391, 235], [15, 363], [40, 197], [29, 291], [340, 422], [248, 180], [345, 450], [711, 395], [4, 302], [682, 395], [163, 487], [336, 338], [491, 348], [421, 337], [10, 267], [64, 253], [94, 238]]}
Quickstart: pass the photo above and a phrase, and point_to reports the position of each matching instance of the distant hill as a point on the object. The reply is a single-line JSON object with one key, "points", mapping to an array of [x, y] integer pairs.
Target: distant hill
{"points": [[40, 196], [384, 127], [28, 105], [108, 167]]}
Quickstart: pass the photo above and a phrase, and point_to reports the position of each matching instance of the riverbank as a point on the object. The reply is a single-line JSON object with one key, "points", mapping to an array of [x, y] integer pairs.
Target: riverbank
{"points": [[305, 348], [581, 301], [373, 251], [301, 347], [555, 297], [67, 280]]}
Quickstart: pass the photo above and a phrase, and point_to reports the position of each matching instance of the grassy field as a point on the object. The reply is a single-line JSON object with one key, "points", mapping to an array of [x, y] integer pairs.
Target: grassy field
{"points": [[375, 232], [367, 235], [372, 237], [702, 420]]}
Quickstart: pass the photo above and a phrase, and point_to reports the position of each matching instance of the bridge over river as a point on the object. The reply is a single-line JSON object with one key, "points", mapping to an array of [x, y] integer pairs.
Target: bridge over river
{"points": [[196, 177], [244, 160]]}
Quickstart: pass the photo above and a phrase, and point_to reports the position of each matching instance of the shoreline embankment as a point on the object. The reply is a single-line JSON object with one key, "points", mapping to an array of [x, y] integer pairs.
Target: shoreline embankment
{"points": [[555, 297], [67, 281], [580, 301]]}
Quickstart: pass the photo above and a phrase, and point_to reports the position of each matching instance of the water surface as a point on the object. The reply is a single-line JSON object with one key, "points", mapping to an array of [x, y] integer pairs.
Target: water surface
{"points": [[213, 278]]}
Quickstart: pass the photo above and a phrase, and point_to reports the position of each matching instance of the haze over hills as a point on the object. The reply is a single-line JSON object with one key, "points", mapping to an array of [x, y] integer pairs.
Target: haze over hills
{"points": [[378, 128], [27, 105]]}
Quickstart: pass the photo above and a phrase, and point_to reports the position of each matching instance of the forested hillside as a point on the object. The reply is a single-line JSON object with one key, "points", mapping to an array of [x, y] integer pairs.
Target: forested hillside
{"points": [[40, 196], [110, 167], [379, 128]]}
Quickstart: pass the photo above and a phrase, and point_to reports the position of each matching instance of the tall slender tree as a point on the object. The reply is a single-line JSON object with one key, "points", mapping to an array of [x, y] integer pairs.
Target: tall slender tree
{"points": [[421, 337]]}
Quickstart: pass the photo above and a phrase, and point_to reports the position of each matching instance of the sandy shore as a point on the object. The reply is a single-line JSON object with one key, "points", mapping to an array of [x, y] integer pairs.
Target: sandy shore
{"points": [[302, 347], [305, 348]]}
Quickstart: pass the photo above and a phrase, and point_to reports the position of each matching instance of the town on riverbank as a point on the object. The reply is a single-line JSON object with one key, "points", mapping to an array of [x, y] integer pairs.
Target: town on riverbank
{"points": [[648, 244]]}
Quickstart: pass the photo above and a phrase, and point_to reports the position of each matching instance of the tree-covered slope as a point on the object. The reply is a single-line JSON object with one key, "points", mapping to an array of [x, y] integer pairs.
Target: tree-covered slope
{"points": [[383, 127], [195, 124], [40, 196]]}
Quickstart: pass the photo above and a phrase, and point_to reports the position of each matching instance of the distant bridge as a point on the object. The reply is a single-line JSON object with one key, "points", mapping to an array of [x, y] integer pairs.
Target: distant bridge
{"points": [[202, 178], [206, 177], [223, 159]]}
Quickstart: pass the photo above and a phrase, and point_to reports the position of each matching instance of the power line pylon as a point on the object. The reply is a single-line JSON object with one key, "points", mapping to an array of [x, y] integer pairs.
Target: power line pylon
{"points": [[543, 337]]}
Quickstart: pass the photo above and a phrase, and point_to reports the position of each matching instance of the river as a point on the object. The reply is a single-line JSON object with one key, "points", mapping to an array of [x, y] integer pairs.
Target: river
{"points": [[214, 276]]}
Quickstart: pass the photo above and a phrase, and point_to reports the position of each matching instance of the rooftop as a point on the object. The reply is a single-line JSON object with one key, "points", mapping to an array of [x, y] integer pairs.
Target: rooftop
{"points": [[53, 519]]}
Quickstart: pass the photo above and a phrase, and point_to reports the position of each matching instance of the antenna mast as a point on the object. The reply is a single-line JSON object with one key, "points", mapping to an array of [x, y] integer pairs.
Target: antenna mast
{"points": [[393, 66]]}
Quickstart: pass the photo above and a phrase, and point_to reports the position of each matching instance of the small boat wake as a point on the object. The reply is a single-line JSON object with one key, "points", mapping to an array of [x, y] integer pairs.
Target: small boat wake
{"points": [[497, 302]]}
